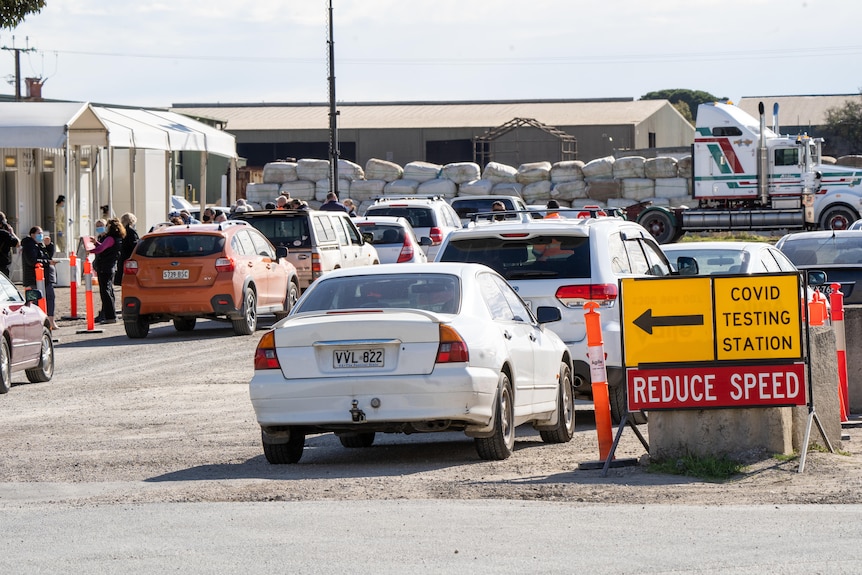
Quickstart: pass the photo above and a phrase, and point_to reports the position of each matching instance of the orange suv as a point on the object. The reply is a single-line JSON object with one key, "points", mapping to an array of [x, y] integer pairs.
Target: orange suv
{"points": [[227, 271]]}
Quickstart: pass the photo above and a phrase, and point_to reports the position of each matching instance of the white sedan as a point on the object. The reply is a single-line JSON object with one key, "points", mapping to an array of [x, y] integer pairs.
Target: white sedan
{"points": [[407, 348]]}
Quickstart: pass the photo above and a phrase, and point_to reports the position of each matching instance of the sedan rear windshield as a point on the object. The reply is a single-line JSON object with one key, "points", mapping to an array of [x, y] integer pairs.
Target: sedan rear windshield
{"points": [[418, 217], [824, 251], [180, 246], [383, 234], [537, 257], [430, 292]]}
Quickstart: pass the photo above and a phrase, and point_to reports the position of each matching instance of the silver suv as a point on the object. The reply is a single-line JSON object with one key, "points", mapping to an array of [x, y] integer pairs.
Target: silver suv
{"points": [[430, 216], [565, 263]]}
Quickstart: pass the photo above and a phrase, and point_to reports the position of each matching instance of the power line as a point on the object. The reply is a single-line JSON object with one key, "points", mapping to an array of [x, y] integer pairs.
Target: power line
{"points": [[18, 66]]}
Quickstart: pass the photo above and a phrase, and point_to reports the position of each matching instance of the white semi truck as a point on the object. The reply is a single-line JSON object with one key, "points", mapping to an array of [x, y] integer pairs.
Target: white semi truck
{"points": [[747, 176]]}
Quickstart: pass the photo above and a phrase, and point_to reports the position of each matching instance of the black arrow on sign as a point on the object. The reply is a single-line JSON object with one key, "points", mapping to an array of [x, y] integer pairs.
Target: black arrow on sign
{"points": [[646, 321]]}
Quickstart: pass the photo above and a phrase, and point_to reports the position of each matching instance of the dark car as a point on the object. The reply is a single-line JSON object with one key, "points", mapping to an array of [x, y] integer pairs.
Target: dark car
{"points": [[836, 252]]}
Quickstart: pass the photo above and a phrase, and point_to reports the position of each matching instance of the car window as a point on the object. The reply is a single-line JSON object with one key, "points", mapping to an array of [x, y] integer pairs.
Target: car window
{"points": [[545, 256], [8, 291], [451, 216], [419, 217], [655, 258], [246, 245], [261, 246], [383, 234], [430, 292], [769, 263], [824, 251], [519, 310], [338, 224], [324, 229], [617, 252], [784, 264], [290, 231], [495, 299], [637, 257], [350, 228], [180, 245]]}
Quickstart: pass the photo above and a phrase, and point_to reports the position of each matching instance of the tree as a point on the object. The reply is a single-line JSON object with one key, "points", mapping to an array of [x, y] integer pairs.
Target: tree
{"points": [[683, 100], [845, 123], [13, 12]]}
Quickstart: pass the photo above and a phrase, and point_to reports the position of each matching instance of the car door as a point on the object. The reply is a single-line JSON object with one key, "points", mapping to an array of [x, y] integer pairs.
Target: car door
{"points": [[276, 275], [518, 338], [23, 322], [252, 265]]}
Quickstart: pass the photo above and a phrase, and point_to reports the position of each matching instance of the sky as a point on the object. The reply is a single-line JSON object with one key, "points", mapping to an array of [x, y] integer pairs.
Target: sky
{"points": [[155, 53]]}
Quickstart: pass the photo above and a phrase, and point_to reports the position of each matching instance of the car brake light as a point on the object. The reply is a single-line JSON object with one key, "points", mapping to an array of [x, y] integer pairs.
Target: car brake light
{"points": [[316, 269], [224, 265], [265, 356], [452, 349], [406, 251], [436, 235], [130, 267], [575, 295]]}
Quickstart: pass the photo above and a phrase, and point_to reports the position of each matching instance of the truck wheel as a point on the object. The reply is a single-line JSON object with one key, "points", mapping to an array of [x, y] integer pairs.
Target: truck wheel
{"points": [[838, 218], [660, 224]]}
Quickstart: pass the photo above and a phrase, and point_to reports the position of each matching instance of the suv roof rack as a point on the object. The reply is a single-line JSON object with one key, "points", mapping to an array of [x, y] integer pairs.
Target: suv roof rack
{"points": [[410, 197]]}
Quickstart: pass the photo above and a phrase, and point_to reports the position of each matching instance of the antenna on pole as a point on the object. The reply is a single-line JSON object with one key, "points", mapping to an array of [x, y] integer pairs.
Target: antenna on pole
{"points": [[333, 113]]}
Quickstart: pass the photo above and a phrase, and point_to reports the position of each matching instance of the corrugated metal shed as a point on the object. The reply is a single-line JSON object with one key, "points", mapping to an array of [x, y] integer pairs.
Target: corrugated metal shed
{"points": [[357, 116]]}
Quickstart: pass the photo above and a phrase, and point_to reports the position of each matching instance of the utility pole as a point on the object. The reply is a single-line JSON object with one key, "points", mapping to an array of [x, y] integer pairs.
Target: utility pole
{"points": [[333, 113], [18, 66]]}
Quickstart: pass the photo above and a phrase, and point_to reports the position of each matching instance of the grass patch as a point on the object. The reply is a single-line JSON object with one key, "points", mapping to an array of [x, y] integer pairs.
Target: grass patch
{"points": [[786, 456], [706, 468], [737, 236]]}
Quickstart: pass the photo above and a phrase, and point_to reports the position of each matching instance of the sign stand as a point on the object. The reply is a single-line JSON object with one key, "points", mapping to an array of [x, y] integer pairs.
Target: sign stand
{"points": [[812, 414], [623, 422]]}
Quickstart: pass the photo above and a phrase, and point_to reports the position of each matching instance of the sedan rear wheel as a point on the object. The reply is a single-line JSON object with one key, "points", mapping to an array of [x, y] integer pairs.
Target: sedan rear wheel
{"points": [[45, 370], [246, 324], [357, 439], [501, 444], [282, 453], [5, 366], [565, 428]]}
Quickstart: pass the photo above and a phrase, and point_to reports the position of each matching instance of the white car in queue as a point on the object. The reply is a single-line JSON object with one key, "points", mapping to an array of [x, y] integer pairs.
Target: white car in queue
{"points": [[408, 348]]}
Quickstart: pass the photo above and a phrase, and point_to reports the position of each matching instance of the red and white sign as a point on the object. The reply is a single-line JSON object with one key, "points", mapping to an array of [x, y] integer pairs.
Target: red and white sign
{"points": [[707, 386]]}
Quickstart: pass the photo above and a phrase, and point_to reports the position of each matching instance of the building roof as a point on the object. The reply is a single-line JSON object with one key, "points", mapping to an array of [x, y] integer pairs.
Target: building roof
{"points": [[796, 110], [403, 115]]}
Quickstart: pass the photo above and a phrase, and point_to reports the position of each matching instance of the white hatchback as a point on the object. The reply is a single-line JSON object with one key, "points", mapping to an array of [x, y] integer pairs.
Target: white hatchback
{"points": [[409, 348], [430, 216], [394, 239]]}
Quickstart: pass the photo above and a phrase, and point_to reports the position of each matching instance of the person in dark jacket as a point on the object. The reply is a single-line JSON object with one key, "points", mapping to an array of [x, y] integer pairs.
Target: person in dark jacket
{"points": [[8, 241], [332, 204], [38, 249], [129, 242], [107, 251]]}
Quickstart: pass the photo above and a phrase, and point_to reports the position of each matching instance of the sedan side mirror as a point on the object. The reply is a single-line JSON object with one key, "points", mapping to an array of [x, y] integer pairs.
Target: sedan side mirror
{"points": [[687, 266], [548, 314], [280, 252], [32, 295], [426, 241], [367, 237], [817, 278]]}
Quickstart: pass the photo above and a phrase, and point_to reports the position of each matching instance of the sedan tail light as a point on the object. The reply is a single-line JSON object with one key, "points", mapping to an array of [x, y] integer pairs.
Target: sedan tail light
{"points": [[575, 295], [225, 264], [130, 267], [265, 356], [453, 348], [436, 235], [406, 251]]}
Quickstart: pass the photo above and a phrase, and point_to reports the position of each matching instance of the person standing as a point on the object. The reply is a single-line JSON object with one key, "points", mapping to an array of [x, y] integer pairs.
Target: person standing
{"points": [[35, 251], [107, 250], [8, 242], [60, 224], [129, 242], [351, 207], [332, 204]]}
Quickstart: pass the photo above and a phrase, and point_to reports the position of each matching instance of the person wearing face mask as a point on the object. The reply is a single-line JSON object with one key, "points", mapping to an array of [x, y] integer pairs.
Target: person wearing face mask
{"points": [[107, 246], [38, 249], [129, 242]]}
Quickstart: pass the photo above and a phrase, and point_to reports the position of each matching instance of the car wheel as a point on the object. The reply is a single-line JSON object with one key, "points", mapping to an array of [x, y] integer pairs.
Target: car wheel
{"points": [[5, 366], [137, 328], [838, 218], [289, 300], [246, 324], [660, 224], [357, 439], [282, 453], [185, 323], [565, 427], [45, 370], [619, 405], [500, 445]]}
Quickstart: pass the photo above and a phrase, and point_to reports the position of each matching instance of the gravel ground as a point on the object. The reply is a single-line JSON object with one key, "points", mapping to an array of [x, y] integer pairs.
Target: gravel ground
{"points": [[168, 419]]}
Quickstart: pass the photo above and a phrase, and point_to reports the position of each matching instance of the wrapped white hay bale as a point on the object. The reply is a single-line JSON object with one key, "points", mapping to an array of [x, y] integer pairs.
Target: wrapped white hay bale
{"points": [[603, 190], [422, 171], [300, 189], [322, 187], [476, 188], [508, 189], [279, 172], [497, 172], [629, 167], [312, 170], [599, 169], [401, 188], [571, 190], [260, 194], [350, 171], [672, 187], [362, 190], [637, 188], [662, 167], [533, 172], [683, 166], [438, 187], [620, 203], [462, 172], [567, 171], [382, 170], [537, 192]]}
